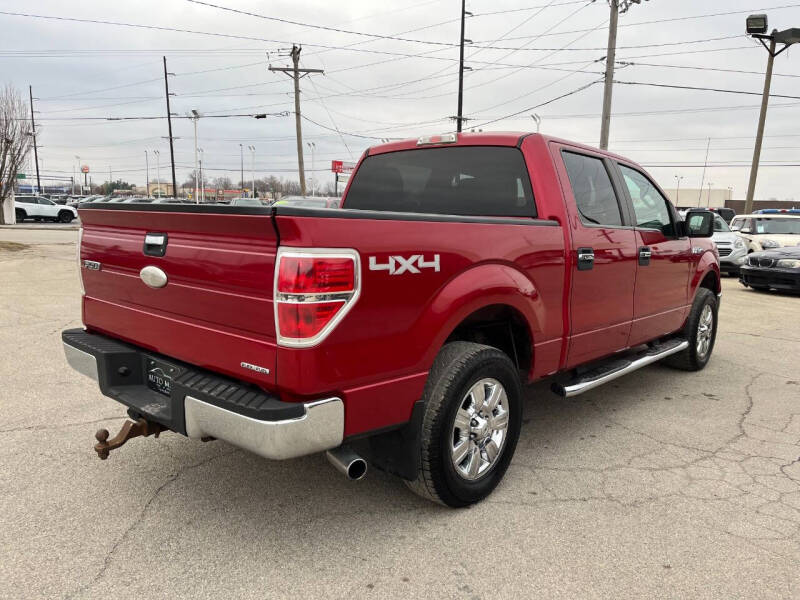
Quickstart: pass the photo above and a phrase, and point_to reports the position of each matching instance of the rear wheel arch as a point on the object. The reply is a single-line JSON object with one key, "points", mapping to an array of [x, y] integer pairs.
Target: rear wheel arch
{"points": [[500, 326], [473, 296]]}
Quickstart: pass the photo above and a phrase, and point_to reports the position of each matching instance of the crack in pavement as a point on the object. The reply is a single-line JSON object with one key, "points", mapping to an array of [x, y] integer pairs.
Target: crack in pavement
{"points": [[61, 426], [139, 518]]}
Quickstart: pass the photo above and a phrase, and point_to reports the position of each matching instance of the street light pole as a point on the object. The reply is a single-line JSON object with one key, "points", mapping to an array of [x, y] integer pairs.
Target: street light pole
{"points": [[147, 175], [158, 171], [241, 167], [757, 28], [708, 199], [762, 119], [195, 116], [678, 189], [253, 168], [202, 181], [312, 145]]}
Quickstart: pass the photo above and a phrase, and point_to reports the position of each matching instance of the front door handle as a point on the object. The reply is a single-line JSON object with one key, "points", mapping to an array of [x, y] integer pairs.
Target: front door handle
{"points": [[644, 256], [585, 259]]}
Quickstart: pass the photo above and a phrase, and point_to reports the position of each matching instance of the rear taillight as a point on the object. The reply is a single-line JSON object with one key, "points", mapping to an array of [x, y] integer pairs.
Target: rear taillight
{"points": [[314, 289]]}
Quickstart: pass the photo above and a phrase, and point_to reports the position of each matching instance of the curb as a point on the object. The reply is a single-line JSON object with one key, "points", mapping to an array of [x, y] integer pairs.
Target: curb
{"points": [[42, 227]]}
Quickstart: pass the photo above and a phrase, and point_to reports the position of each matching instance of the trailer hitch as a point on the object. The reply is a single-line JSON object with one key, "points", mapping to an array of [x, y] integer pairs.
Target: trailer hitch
{"points": [[130, 429]]}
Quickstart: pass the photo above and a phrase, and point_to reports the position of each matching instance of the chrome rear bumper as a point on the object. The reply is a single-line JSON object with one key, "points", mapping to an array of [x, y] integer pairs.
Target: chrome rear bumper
{"points": [[321, 428], [284, 430]]}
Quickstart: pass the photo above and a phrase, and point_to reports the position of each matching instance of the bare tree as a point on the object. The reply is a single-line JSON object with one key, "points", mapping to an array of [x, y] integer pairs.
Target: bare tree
{"points": [[15, 143]]}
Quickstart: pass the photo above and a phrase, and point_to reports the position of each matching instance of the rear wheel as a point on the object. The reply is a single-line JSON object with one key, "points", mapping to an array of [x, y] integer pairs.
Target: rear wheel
{"points": [[700, 331], [20, 214], [65, 216], [471, 425]]}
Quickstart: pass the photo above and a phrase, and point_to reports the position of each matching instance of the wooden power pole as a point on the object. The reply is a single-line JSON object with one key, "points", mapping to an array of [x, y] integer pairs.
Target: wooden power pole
{"points": [[296, 73], [169, 124], [617, 7]]}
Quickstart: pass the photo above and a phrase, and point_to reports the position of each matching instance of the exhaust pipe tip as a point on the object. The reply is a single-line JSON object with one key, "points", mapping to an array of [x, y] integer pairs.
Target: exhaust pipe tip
{"points": [[347, 462]]}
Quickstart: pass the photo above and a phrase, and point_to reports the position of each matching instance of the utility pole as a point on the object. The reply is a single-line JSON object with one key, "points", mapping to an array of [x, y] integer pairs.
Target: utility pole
{"points": [[169, 124], [678, 190], [147, 175], [459, 114], [708, 200], [297, 73], [611, 54], [617, 7], [35, 149]]}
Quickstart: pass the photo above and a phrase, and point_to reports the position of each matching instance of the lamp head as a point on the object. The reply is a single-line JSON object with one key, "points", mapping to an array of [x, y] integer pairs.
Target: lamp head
{"points": [[757, 24]]}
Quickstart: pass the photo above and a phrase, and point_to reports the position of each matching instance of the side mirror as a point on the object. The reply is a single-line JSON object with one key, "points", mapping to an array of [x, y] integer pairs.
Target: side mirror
{"points": [[699, 224]]}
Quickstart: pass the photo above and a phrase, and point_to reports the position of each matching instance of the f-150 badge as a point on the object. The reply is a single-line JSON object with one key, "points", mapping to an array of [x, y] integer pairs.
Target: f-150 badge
{"points": [[398, 265]]}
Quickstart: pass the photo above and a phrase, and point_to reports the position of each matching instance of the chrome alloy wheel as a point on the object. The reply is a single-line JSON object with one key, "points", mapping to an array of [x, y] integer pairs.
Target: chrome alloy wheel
{"points": [[705, 329], [480, 429]]}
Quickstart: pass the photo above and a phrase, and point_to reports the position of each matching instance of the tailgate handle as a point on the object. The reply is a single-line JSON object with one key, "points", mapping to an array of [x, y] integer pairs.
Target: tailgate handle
{"points": [[155, 244]]}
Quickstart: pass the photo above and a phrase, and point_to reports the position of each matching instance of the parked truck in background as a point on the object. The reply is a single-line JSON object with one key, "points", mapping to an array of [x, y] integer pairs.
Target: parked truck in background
{"points": [[400, 329]]}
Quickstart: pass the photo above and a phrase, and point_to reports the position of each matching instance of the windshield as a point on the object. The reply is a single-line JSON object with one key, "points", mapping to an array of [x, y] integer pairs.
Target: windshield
{"points": [[777, 226], [720, 224], [461, 180]]}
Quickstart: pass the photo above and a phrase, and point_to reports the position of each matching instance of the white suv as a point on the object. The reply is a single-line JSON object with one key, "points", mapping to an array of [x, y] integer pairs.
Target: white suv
{"points": [[42, 209], [766, 231]]}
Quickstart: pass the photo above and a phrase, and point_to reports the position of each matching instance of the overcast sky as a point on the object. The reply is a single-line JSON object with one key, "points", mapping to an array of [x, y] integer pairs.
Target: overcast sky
{"points": [[529, 53]]}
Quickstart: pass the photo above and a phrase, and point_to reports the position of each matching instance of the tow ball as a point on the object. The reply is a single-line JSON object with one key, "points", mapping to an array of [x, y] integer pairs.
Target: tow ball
{"points": [[130, 429]]}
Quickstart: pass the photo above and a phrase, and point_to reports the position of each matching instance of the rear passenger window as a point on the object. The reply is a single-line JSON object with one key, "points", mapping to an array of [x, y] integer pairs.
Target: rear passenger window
{"points": [[591, 186], [461, 180], [650, 207]]}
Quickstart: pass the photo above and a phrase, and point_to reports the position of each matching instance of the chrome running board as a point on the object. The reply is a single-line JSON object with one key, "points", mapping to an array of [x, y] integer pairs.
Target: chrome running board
{"points": [[617, 368]]}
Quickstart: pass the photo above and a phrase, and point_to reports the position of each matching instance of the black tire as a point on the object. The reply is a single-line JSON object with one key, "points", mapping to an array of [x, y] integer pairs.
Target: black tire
{"points": [[65, 216], [759, 288], [459, 367], [37, 219], [21, 215], [693, 359]]}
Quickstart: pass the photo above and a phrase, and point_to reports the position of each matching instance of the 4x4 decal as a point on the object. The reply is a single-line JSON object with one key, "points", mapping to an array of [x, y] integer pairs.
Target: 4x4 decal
{"points": [[398, 265]]}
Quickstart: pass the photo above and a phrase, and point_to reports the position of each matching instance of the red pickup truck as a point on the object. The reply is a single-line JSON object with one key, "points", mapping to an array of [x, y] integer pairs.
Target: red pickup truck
{"points": [[399, 329]]}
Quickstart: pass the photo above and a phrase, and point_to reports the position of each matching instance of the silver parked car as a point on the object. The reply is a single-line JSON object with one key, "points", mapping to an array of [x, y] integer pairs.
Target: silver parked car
{"points": [[730, 245]]}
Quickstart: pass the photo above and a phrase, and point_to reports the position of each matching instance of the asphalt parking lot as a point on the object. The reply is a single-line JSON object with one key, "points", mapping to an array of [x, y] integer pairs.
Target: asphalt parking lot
{"points": [[661, 484]]}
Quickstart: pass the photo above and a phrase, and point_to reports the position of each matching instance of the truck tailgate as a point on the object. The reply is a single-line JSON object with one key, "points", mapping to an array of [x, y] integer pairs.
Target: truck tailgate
{"points": [[215, 310]]}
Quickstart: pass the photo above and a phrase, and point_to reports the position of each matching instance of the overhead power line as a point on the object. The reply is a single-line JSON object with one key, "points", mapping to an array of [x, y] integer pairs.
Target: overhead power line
{"points": [[376, 36], [673, 19], [530, 108], [703, 89]]}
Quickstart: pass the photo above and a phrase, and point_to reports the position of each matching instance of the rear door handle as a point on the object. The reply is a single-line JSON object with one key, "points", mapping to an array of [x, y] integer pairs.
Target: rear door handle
{"points": [[585, 259], [644, 256]]}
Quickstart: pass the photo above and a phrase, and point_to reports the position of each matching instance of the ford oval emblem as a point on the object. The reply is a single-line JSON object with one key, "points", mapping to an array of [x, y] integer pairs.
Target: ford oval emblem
{"points": [[153, 277]]}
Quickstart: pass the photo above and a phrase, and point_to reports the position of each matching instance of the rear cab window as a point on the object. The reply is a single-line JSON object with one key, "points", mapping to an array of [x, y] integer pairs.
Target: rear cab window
{"points": [[490, 181], [591, 186]]}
